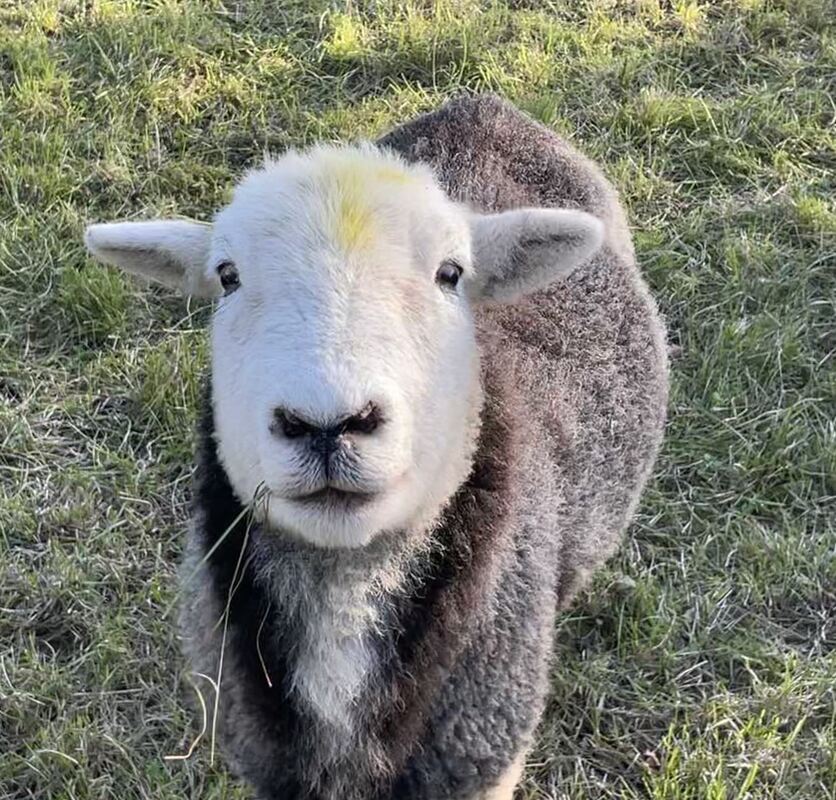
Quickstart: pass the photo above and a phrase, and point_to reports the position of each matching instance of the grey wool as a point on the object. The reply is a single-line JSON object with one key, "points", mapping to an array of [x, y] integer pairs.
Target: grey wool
{"points": [[575, 380]]}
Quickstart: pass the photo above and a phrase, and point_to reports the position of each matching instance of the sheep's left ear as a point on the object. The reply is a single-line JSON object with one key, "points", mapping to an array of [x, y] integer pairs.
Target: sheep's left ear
{"points": [[171, 252], [518, 252]]}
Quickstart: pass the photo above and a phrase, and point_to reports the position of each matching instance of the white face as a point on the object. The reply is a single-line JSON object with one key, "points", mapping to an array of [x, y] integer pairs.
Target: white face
{"points": [[344, 363]]}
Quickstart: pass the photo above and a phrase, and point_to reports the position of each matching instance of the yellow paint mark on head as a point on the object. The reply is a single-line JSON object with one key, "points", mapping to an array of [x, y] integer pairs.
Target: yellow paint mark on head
{"points": [[394, 174], [354, 224], [352, 178]]}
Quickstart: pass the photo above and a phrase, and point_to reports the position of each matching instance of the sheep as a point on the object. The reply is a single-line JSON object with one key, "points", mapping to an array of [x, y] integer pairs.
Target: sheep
{"points": [[438, 387]]}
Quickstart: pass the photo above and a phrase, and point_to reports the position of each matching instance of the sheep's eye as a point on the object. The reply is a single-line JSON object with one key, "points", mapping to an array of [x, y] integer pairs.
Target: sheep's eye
{"points": [[229, 277], [448, 274]]}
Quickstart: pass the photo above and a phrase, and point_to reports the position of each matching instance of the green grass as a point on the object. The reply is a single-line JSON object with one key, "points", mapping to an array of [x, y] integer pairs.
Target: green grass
{"points": [[702, 664]]}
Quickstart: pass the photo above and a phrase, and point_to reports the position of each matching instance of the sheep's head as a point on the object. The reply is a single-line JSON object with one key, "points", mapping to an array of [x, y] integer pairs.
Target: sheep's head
{"points": [[344, 363]]}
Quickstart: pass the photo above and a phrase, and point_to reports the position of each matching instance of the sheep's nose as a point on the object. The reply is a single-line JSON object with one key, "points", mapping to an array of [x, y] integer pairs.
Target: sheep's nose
{"points": [[326, 437]]}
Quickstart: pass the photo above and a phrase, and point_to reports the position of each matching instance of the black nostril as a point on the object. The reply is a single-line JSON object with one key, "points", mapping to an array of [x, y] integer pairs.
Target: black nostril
{"points": [[365, 421], [290, 425]]}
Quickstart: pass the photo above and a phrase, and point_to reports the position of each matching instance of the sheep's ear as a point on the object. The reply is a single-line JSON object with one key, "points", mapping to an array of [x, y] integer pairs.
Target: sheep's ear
{"points": [[518, 252], [171, 252]]}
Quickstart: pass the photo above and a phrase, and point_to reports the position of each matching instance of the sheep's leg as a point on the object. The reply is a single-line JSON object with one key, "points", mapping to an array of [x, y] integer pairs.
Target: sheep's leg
{"points": [[504, 790]]}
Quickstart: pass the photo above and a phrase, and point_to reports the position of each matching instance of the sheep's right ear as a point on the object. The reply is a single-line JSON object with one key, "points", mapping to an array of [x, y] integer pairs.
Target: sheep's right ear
{"points": [[171, 252]]}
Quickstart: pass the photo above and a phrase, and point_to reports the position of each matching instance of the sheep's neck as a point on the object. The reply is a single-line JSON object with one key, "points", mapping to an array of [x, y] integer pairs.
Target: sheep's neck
{"points": [[340, 606]]}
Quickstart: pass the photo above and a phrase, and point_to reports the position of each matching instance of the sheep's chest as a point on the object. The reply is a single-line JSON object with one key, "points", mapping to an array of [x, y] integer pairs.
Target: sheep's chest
{"points": [[333, 657], [332, 608]]}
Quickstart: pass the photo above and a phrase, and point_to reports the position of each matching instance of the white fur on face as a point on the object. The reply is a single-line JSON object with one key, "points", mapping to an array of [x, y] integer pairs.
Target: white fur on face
{"points": [[338, 306]]}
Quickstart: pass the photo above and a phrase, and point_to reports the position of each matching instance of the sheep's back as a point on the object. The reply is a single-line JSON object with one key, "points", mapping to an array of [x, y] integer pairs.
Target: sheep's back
{"points": [[589, 353]]}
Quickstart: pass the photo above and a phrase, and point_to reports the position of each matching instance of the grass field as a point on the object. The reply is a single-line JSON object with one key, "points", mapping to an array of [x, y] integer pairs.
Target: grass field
{"points": [[702, 664]]}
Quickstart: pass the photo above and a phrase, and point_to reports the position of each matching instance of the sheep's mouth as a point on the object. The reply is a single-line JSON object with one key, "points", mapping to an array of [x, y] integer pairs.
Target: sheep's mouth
{"points": [[333, 497]]}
